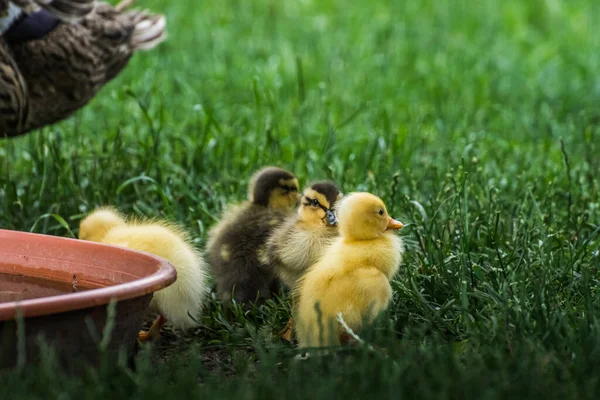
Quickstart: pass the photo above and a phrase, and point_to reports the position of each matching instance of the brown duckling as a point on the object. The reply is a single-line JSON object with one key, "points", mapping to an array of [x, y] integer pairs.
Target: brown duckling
{"points": [[237, 243]]}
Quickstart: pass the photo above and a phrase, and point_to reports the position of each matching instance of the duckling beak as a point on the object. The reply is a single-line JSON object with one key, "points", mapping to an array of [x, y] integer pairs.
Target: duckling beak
{"points": [[393, 224], [331, 217]]}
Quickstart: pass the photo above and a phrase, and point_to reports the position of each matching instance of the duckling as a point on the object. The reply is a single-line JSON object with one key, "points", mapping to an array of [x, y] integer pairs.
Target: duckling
{"points": [[299, 242], [352, 277], [178, 303], [51, 68], [237, 243]]}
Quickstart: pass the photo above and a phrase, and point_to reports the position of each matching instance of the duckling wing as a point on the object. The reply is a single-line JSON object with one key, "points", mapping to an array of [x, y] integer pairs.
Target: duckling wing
{"points": [[238, 255], [286, 251], [13, 94], [367, 292], [359, 296]]}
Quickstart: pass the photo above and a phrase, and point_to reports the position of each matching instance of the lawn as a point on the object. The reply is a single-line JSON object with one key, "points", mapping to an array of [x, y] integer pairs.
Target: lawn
{"points": [[476, 122]]}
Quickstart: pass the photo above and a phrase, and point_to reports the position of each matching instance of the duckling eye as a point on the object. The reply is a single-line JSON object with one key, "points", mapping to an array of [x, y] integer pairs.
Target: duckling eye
{"points": [[381, 211], [315, 202]]}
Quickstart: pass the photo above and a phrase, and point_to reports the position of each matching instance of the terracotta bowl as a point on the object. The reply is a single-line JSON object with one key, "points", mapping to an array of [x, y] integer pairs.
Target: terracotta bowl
{"points": [[62, 287]]}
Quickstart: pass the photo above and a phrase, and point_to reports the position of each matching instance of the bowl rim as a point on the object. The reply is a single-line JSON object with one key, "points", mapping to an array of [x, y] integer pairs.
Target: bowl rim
{"points": [[163, 277]]}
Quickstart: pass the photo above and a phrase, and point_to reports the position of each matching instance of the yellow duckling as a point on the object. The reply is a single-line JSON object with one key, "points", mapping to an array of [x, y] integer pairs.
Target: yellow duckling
{"points": [[237, 243], [353, 276], [299, 242], [175, 303]]}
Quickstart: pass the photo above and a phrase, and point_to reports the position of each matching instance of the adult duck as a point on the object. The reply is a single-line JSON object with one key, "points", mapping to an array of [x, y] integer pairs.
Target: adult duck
{"points": [[55, 55]]}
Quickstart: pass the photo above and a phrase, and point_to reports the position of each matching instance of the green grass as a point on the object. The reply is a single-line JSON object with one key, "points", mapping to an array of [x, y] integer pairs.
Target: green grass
{"points": [[476, 122]]}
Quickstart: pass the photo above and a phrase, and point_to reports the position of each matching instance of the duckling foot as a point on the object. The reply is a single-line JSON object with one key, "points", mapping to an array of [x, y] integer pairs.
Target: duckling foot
{"points": [[154, 331], [286, 333]]}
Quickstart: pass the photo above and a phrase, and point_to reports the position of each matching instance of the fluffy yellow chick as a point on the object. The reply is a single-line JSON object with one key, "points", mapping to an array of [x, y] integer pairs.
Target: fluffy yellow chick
{"points": [[300, 241], [237, 243], [353, 276], [175, 303]]}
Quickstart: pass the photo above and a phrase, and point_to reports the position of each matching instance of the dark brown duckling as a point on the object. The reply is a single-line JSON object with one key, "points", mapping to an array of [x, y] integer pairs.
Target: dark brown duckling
{"points": [[237, 243]]}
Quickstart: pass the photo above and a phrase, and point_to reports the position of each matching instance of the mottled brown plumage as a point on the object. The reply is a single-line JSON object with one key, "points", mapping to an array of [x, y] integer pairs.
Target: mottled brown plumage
{"points": [[237, 243], [45, 80]]}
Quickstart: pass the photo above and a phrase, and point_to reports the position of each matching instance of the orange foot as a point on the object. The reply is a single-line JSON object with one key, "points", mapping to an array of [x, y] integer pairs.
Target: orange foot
{"points": [[154, 331], [286, 333]]}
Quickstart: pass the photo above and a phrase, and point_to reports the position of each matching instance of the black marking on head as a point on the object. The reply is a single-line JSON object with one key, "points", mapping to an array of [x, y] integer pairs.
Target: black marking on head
{"points": [[267, 181], [327, 189]]}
